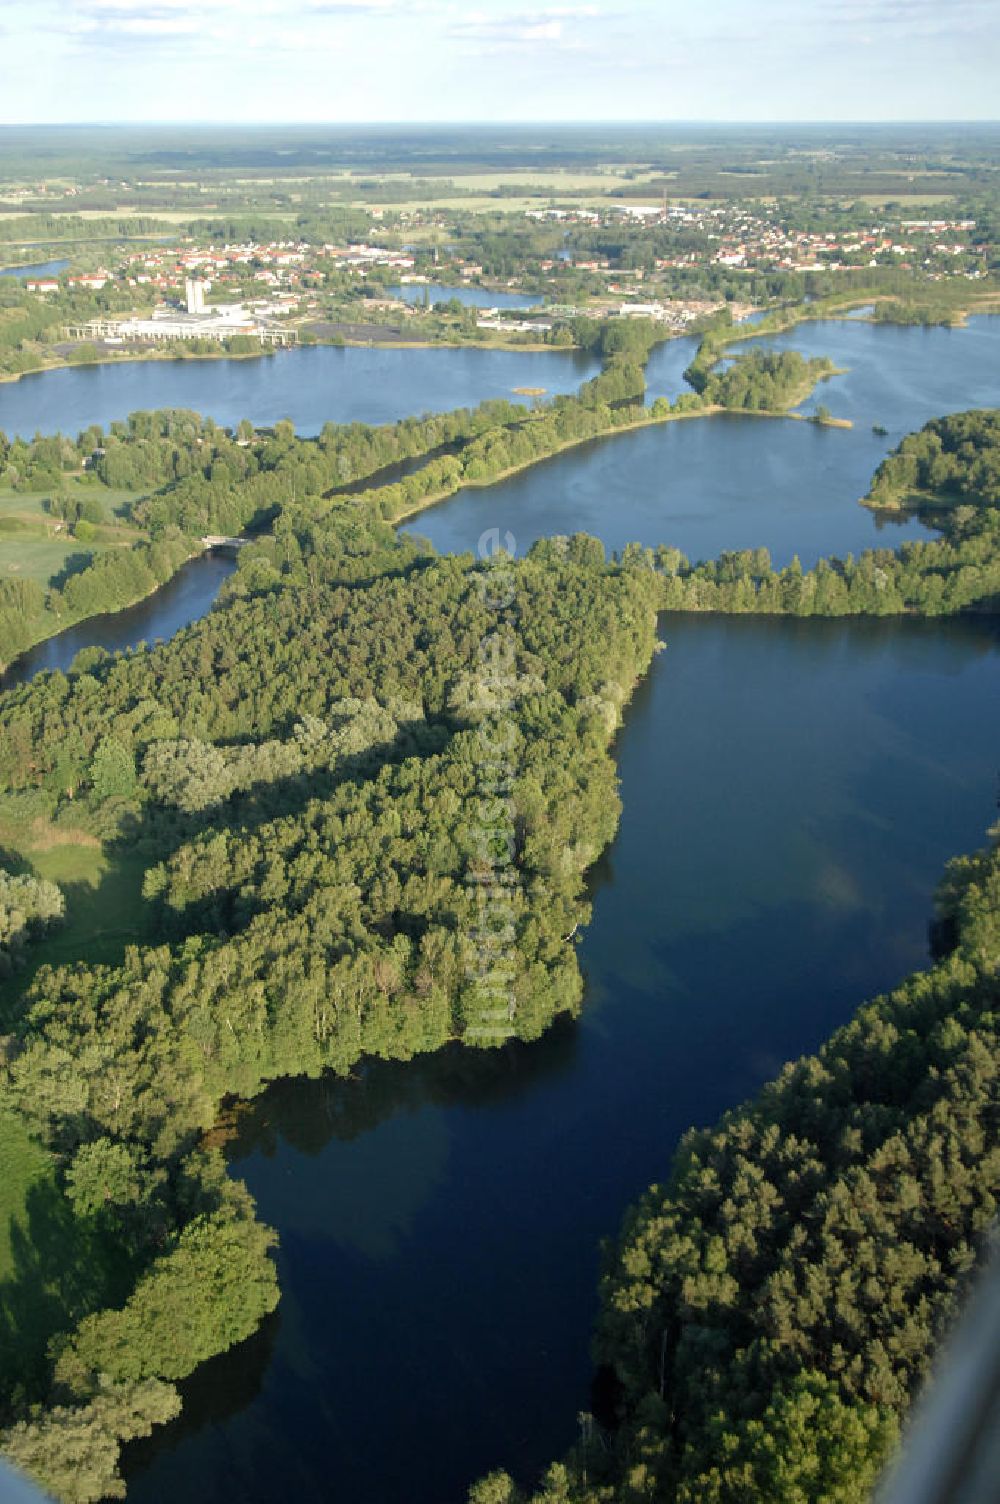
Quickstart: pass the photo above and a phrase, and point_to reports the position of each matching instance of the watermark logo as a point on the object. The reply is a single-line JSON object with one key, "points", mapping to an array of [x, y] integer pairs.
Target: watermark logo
{"points": [[492, 875]]}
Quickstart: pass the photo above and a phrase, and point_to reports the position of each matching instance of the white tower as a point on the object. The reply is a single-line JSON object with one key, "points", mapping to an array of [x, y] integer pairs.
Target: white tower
{"points": [[194, 292]]}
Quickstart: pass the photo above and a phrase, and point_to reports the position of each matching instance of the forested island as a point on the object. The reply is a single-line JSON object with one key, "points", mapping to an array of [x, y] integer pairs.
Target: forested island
{"points": [[952, 463]]}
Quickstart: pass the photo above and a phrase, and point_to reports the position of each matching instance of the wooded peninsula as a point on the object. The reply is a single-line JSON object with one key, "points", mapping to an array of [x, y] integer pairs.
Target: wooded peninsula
{"points": [[298, 783]]}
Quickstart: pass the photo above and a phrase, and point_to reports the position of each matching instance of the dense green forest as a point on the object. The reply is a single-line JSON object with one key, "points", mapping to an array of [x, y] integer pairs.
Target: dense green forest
{"points": [[322, 780], [352, 811], [765, 380], [28, 907], [193, 478], [769, 1312], [753, 380], [312, 775], [952, 463]]}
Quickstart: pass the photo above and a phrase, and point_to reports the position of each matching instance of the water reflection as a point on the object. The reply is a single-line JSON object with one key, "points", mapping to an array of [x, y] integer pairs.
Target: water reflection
{"points": [[312, 385], [182, 600], [791, 791]]}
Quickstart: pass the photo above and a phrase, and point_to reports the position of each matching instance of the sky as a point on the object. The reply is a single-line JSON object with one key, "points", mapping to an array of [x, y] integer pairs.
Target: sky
{"points": [[498, 60]]}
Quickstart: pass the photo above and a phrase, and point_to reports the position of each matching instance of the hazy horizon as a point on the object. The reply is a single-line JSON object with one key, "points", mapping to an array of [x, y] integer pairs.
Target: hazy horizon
{"points": [[418, 62]]}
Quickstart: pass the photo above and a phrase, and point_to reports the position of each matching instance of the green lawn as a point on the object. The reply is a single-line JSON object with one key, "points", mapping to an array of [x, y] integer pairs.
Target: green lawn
{"points": [[105, 909], [29, 556], [19, 504], [31, 549], [55, 1267], [32, 506]]}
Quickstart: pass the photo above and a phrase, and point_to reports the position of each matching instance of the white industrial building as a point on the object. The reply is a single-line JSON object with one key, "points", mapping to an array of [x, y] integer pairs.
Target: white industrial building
{"points": [[219, 321]]}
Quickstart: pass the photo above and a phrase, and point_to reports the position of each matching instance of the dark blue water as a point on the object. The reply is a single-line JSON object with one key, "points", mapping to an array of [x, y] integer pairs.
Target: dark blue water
{"points": [[469, 297], [39, 269], [182, 600], [735, 481], [791, 791], [898, 376], [312, 385]]}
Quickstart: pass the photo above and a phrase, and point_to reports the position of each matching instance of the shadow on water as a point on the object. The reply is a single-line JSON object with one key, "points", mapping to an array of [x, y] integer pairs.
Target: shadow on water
{"points": [[182, 600], [790, 789], [216, 1392], [309, 1114]]}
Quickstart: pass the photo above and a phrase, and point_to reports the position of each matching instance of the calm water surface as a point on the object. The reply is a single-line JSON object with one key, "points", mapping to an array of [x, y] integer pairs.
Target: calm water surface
{"points": [[791, 792], [742, 482], [469, 297], [312, 385], [179, 602], [37, 269], [666, 366], [703, 485], [899, 377]]}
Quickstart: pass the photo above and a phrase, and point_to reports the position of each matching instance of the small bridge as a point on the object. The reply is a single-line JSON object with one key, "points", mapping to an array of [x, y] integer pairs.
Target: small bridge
{"points": [[220, 544]]}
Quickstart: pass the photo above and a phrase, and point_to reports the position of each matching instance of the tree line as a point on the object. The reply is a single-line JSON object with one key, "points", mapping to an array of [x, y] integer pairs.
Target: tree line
{"points": [[769, 1312], [953, 462], [301, 770]]}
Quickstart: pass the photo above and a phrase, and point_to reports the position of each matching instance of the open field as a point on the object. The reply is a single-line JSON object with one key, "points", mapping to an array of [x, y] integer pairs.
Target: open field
{"points": [[22, 1165], [105, 909], [34, 557], [32, 549], [23, 506], [476, 203], [877, 200], [551, 182]]}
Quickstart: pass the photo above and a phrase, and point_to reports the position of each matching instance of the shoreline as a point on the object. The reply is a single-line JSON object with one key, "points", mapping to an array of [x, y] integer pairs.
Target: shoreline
{"points": [[67, 626], [437, 497], [791, 318], [712, 411], [159, 356]]}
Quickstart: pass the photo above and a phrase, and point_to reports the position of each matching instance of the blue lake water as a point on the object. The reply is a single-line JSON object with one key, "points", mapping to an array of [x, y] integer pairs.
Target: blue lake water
{"points": [[791, 791], [897, 376], [311, 385], [38, 269], [182, 600], [737, 481], [469, 297]]}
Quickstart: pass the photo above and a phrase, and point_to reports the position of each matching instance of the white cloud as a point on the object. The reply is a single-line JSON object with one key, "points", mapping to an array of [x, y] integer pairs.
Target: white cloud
{"points": [[553, 26]]}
